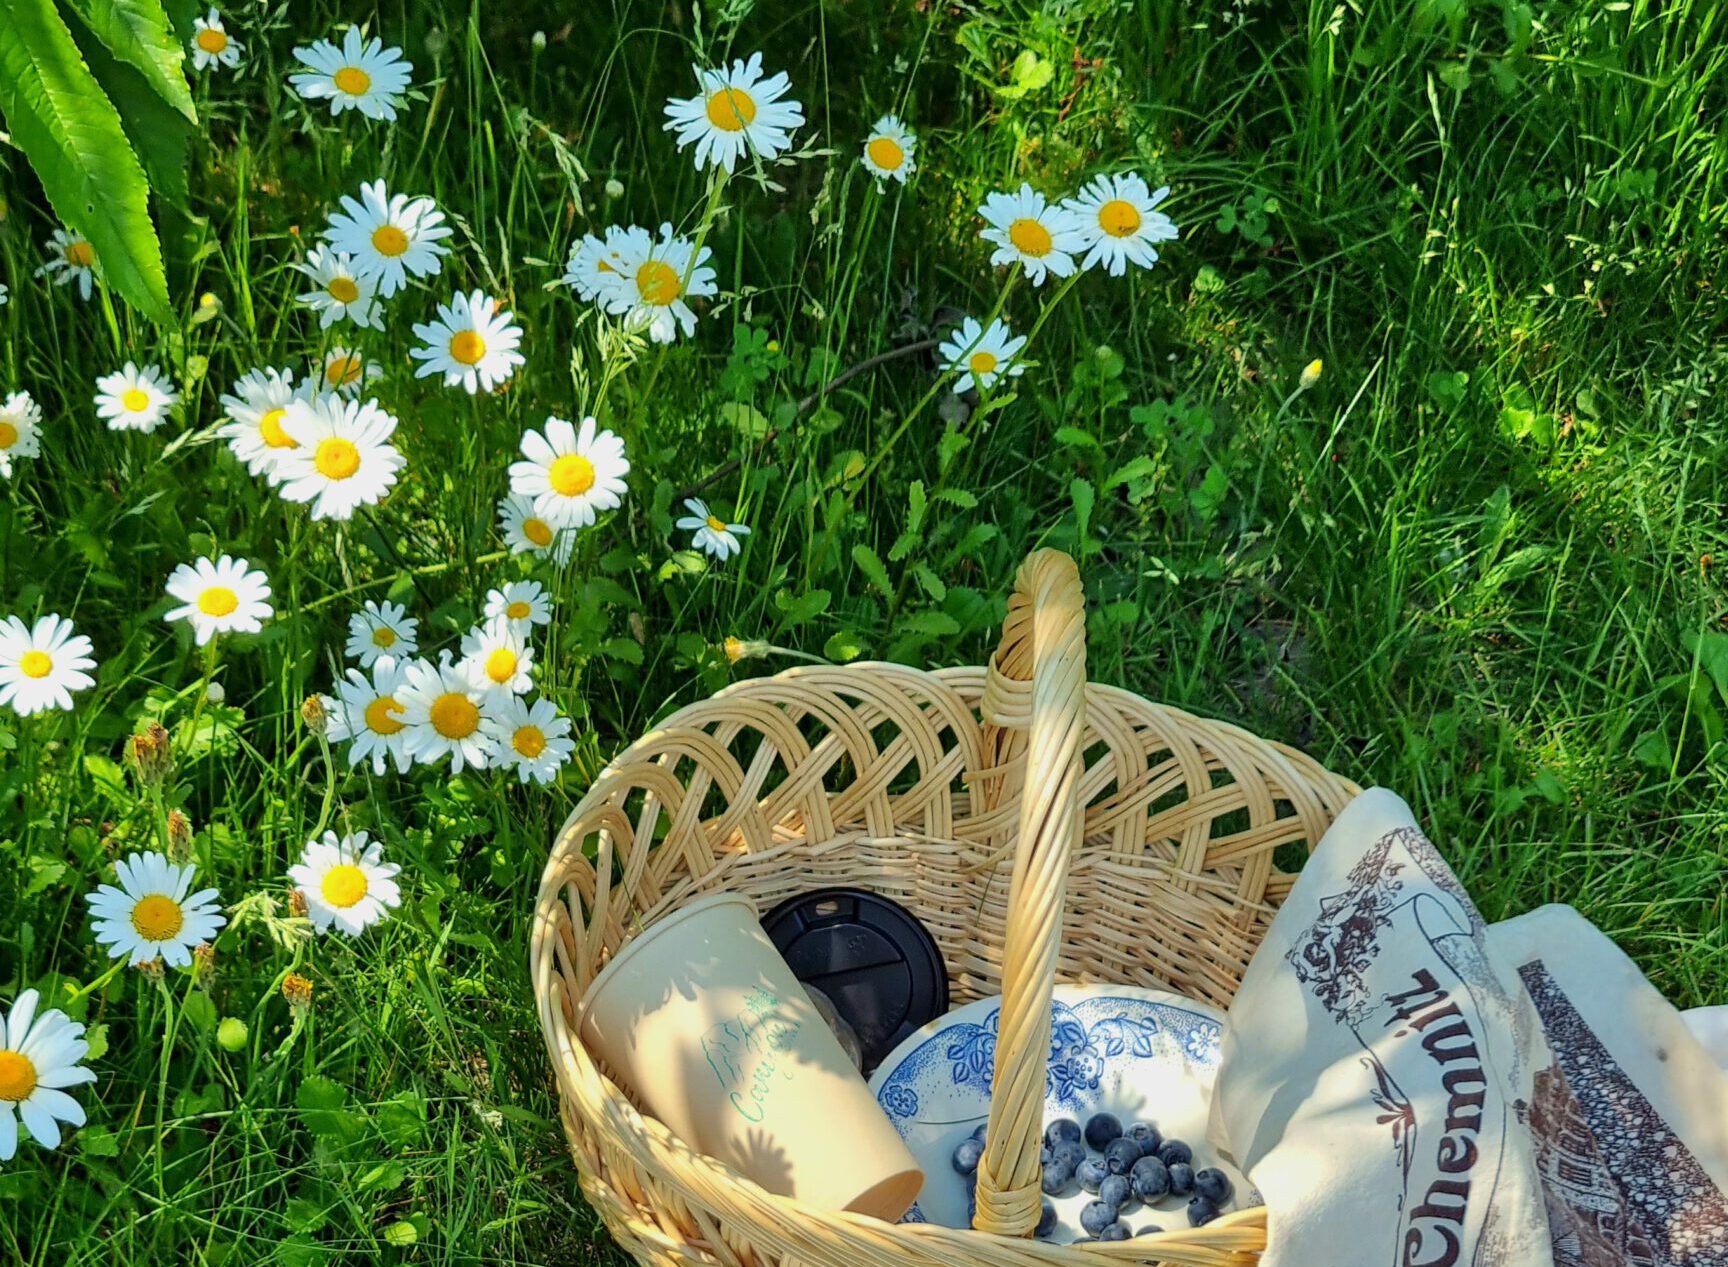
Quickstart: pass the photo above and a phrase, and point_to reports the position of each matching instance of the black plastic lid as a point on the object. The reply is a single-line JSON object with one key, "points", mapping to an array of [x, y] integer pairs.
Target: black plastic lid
{"points": [[870, 956]]}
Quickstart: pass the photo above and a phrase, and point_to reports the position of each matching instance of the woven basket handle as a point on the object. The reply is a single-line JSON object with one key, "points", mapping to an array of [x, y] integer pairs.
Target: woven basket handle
{"points": [[1034, 705]]}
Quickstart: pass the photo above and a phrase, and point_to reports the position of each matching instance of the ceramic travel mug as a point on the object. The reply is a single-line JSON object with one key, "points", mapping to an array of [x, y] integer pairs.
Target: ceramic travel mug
{"points": [[702, 1020]]}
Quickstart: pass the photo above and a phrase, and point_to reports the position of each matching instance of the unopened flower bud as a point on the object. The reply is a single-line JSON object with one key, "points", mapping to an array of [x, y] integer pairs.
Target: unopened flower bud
{"points": [[296, 904], [435, 42], [538, 41], [614, 188], [151, 969], [215, 693], [150, 753], [738, 649], [231, 1034], [179, 836], [315, 713], [203, 964], [1310, 374]]}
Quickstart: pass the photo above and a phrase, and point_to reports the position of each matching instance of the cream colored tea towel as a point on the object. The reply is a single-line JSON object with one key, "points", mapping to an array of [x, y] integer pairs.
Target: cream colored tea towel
{"points": [[1410, 1087]]}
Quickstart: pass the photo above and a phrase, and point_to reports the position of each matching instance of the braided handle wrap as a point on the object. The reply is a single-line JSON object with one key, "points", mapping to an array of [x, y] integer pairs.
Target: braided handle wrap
{"points": [[1034, 707]]}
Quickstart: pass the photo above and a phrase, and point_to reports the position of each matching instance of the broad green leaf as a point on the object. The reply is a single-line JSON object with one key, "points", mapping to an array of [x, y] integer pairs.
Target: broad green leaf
{"points": [[874, 571], [137, 33], [160, 136], [72, 136], [1084, 497]]}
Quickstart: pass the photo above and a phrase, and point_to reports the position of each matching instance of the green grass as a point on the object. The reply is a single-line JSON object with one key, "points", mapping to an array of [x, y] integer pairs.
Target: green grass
{"points": [[1471, 564]]}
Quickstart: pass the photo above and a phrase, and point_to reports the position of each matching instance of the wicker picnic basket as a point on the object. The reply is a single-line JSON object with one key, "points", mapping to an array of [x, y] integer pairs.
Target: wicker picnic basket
{"points": [[1042, 827]]}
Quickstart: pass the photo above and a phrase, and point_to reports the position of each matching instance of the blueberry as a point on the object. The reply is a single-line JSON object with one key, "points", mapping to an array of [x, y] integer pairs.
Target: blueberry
{"points": [[1151, 1229], [1201, 1212], [1070, 1152], [980, 1131], [1149, 1179], [1213, 1184], [1057, 1177], [1101, 1129], [1046, 1219], [1121, 1156], [1115, 1190], [1117, 1231], [1062, 1130], [1097, 1216], [966, 1156], [1173, 1151], [1092, 1172], [1146, 1135], [1181, 1179]]}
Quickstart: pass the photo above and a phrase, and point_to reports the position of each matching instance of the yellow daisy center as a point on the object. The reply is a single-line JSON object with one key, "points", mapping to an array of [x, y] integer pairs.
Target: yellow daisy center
{"points": [[454, 716], [467, 347], [538, 531], [716, 524], [381, 716], [519, 610], [1118, 218], [343, 370], [157, 917], [982, 363], [570, 476], [270, 427], [218, 600], [658, 283], [211, 40], [80, 254], [135, 400], [8, 435], [336, 458], [501, 665], [17, 1076], [344, 290], [355, 82], [387, 239], [343, 885], [1029, 237], [35, 664], [383, 636], [886, 153], [530, 741], [731, 109]]}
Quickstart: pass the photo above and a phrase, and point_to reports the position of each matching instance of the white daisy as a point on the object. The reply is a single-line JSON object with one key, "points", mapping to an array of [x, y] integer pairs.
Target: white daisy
{"points": [[342, 457], [525, 532], [367, 712], [473, 344], [531, 737], [595, 268], [655, 279], [20, 430], [497, 656], [150, 914], [41, 665], [442, 706], [345, 370], [713, 535], [382, 629], [39, 1057], [1119, 222], [980, 357], [255, 410], [523, 603], [211, 44], [71, 258], [1039, 236], [571, 475], [362, 75], [735, 110], [342, 293], [890, 151], [227, 596], [346, 882], [134, 399], [390, 236]]}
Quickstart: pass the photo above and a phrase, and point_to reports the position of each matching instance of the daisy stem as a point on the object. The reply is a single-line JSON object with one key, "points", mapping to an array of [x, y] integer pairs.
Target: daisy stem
{"points": [[710, 210], [942, 380], [198, 700], [170, 1026], [99, 983]]}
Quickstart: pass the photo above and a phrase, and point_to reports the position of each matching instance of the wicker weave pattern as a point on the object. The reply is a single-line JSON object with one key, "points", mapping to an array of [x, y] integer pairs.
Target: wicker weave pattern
{"points": [[1095, 835]]}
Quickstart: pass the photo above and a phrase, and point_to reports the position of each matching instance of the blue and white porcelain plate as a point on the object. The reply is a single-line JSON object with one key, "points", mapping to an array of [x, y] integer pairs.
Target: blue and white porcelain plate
{"points": [[1144, 1055]]}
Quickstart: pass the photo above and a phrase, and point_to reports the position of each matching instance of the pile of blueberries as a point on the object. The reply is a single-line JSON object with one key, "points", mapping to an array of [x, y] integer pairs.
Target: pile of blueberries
{"points": [[1121, 1168]]}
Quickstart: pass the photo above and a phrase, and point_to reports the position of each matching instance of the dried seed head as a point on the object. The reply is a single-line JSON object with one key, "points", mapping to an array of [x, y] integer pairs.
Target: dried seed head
{"points": [[298, 991], [150, 753], [314, 713]]}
